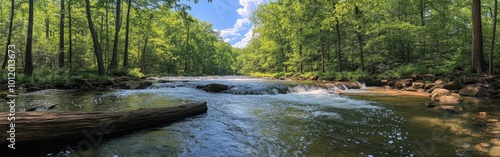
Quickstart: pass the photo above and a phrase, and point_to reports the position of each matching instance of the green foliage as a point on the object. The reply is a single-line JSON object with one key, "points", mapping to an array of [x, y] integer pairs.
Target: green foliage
{"points": [[136, 72]]}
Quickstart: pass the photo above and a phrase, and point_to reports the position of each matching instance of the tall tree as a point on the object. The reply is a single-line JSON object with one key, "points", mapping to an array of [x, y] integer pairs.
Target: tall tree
{"points": [[9, 38], [477, 59], [61, 37], [360, 38], [70, 37], [114, 57], [339, 53], [95, 40], [490, 70], [125, 52], [28, 69]]}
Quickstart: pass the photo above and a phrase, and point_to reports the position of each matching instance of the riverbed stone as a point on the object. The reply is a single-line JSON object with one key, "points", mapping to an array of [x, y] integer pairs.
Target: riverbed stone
{"points": [[483, 114], [494, 132], [478, 148], [438, 93], [450, 109], [439, 82], [469, 91], [492, 120], [418, 85], [429, 85], [484, 145], [214, 87], [450, 99], [495, 141], [452, 86], [494, 151], [138, 84], [400, 85]]}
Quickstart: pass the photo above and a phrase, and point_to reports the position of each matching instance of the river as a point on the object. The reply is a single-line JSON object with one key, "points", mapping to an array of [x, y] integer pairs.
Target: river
{"points": [[260, 117]]}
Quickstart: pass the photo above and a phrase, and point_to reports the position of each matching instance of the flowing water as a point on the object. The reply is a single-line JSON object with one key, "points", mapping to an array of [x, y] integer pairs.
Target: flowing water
{"points": [[259, 117]]}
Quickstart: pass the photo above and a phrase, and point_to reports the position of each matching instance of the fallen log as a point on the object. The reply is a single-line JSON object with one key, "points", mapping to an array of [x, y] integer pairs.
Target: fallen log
{"points": [[41, 127]]}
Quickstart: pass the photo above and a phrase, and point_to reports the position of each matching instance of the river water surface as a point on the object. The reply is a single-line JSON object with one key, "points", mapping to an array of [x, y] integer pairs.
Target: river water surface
{"points": [[260, 117]]}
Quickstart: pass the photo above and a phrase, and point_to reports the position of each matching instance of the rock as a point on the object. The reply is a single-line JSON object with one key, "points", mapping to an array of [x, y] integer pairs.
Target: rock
{"points": [[420, 90], [483, 114], [450, 109], [483, 93], [314, 78], [411, 89], [400, 85], [138, 84], [495, 142], [354, 85], [439, 82], [429, 85], [164, 81], [451, 86], [469, 80], [430, 104], [478, 148], [469, 91], [494, 151], [494, 132], [484, 145], [214, 87], [44, 107], [417, 85], [385, 82], [492, 120], [438, 93], [453, 98]]}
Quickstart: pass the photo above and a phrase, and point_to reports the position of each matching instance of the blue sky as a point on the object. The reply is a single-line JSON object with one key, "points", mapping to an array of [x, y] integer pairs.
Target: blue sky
{"points": [[231, 18]]}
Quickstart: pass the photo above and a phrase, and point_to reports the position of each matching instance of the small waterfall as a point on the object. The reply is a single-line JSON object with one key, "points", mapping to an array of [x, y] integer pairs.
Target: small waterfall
{"points": [[362, 85]]}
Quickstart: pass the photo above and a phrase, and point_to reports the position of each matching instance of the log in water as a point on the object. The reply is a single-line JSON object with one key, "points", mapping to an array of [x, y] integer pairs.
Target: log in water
{"points": [[44, 126]]}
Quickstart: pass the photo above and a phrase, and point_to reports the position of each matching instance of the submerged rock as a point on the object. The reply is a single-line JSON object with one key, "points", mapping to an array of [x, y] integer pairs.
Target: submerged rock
{"points": [[450, 109], [138, 84], [44, 107], [214, 87]]}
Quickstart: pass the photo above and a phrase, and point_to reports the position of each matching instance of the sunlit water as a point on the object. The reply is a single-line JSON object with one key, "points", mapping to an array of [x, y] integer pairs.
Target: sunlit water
{"points": [[260, 117]]}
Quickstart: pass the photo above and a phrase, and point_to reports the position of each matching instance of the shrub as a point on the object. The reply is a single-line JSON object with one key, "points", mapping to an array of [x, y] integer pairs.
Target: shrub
{"points": [[136, 72]]}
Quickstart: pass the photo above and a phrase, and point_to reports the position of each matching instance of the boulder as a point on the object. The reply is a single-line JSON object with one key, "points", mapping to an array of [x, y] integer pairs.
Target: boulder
{"points": [[138, 84], [400, 85], [494, 151], [214, 87], [417, 85], [438, 93], [450, 109], [451, 86], [439, 82], [453, 98], [429, 85], [354, 85], [469, 91]]}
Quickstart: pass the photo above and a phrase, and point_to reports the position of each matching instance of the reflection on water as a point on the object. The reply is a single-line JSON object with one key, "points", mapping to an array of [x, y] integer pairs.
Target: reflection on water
{"points": [[251, 121]]}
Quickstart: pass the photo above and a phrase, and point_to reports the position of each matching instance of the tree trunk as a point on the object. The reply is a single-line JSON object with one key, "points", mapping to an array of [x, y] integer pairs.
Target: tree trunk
{"points": [[95, 40], [477, 61], [339, 56], [143, 65], [9, 38], [422, 12], [47, 28], [114, 58], [490, 71], [107, 34], [68, 128], [186, 49], [61, 37], [70, 37], [125, 52], [360, 39], [28, 69]]}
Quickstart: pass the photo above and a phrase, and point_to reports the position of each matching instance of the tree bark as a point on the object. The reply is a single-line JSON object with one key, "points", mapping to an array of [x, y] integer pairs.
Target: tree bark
{"points": [[95, 40], [339, 55], [70, 37], [9, 38], [114, 58], [490, 70], [477, 60], [125, 52], [28, 69], [61, 37], [65, 127], [360, 39]]}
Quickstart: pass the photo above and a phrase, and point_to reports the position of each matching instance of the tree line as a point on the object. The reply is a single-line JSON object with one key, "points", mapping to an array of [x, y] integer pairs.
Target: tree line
{"points": [[112, 36], [387, 38]]}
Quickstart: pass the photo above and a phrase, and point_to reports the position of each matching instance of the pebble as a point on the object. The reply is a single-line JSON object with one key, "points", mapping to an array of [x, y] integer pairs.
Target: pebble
{"points": [[483, 114], [484, 145], [495, 151], [495, 142], [494, 132], [492, 120]]}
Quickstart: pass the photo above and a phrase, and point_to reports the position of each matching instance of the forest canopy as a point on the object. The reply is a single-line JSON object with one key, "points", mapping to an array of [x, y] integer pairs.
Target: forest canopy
{"points": [[336, 40]]}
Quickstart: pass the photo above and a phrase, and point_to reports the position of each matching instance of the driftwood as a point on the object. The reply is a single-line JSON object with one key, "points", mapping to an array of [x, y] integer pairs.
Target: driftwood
{"points": [[48, 126]]}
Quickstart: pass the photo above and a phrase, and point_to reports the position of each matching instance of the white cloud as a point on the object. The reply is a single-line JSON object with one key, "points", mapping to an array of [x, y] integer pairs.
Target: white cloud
{"points": [[242, 24], [246, 40], [238, 26]]}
